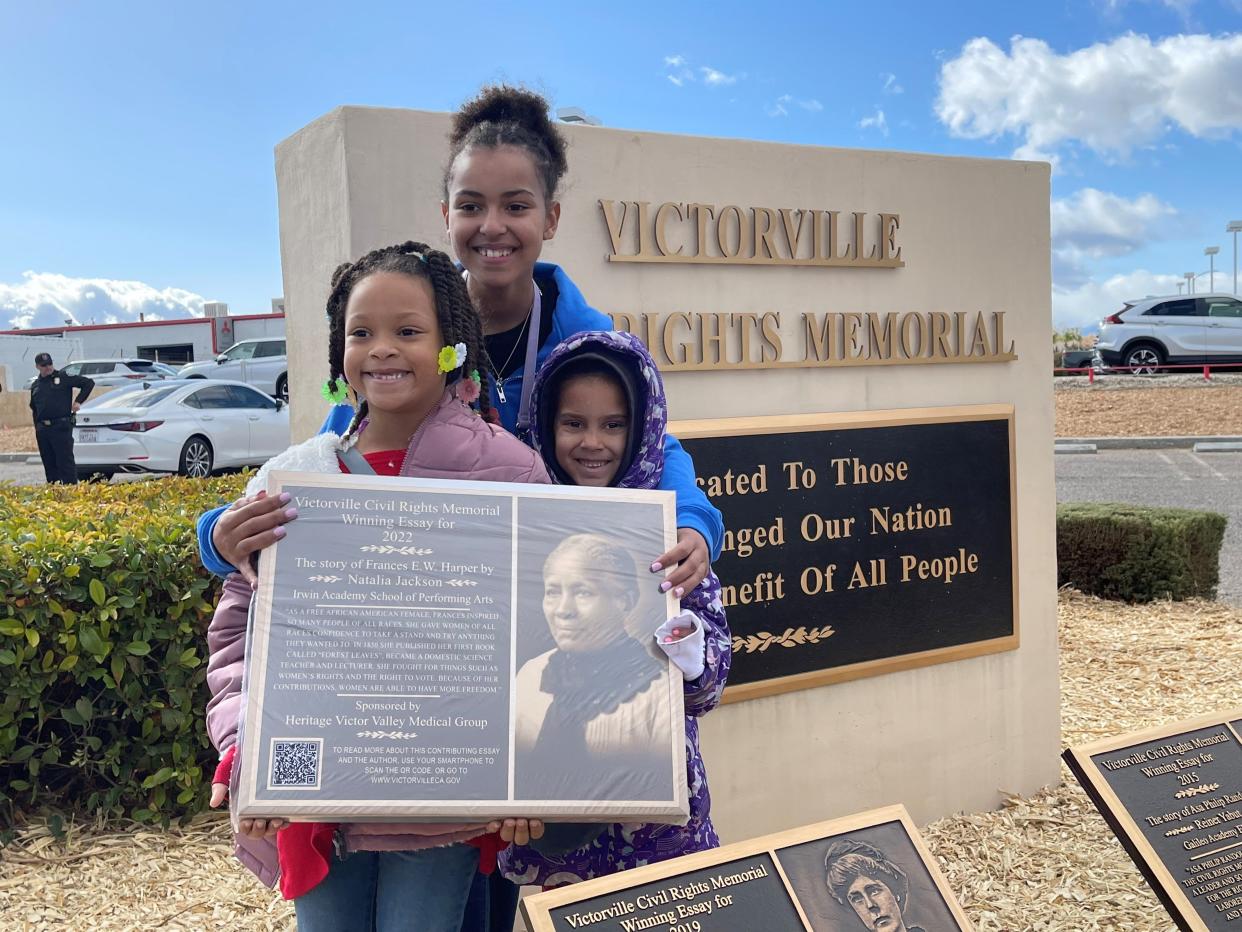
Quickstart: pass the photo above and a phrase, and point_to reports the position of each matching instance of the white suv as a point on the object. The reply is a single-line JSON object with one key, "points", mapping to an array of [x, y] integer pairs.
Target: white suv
{"points": [[261, 363], [113, 372], [1193, 330]]}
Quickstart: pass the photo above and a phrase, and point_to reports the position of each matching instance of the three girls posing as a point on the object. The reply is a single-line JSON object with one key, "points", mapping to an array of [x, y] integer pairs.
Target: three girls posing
{"points": [[392, 314]]}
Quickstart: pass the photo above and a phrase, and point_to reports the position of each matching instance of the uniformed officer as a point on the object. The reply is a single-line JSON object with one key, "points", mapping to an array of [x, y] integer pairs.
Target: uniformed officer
{"points": [[53, 406]]}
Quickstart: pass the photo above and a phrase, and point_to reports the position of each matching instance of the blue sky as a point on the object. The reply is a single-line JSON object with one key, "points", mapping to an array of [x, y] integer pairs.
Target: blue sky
{"points": [[137, 173]]}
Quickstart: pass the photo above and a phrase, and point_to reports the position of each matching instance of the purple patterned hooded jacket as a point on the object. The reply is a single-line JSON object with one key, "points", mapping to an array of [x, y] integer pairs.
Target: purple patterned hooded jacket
{"points": [[624, 845]]}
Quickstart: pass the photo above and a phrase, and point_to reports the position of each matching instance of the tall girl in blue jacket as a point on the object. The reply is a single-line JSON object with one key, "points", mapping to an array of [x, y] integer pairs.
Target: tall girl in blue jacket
{"points": [[506, 161]]}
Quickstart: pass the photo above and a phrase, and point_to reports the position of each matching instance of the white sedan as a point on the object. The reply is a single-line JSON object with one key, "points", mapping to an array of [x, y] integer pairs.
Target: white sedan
{"points": [[191, 428]]}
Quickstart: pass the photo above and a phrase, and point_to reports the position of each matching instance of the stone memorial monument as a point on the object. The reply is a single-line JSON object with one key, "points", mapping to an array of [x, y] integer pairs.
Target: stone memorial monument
{"points": [[854, 345]]}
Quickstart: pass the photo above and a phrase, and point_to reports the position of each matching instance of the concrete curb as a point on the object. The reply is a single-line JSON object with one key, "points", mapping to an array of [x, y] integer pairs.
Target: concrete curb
{"points": [[17, 457], [1074, 448], [1218, 447], [1145, 443]]}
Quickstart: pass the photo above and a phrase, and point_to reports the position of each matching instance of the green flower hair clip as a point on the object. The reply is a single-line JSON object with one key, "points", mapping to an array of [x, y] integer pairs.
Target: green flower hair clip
{"points": [[335, 391]]}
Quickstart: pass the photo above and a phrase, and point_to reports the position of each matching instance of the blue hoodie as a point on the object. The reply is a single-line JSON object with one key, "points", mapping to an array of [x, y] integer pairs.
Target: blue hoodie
{"points": [[571, 315]]}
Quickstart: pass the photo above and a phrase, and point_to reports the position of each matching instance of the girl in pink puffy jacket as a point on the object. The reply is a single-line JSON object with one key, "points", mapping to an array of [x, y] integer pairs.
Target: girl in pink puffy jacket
{"points": [[406, 340]]}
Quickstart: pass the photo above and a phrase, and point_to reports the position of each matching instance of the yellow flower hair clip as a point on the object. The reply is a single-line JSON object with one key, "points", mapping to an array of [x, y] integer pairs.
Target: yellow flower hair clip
{"points": [[452, 357]]}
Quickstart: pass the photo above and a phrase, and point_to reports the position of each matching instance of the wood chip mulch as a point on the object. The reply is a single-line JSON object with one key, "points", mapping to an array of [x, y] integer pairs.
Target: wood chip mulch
{"points": [[17, 440], [1205, 409], [1047, 863]]}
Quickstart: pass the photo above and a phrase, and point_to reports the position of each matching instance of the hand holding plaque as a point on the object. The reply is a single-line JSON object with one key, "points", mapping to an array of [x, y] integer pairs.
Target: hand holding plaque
{"points": [[435, 650]]}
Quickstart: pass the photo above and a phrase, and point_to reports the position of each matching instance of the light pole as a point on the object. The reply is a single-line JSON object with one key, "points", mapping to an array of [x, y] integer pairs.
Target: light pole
{"points": [[1211, 252], [1180, 286], [1235, 227], [1190, 282]]}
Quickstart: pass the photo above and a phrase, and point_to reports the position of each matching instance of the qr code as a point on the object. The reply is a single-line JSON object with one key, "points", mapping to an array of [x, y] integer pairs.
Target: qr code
{"points": [[295, 763]]}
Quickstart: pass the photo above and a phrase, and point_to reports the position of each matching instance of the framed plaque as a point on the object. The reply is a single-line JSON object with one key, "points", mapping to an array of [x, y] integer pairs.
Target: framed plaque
{"points": [[863, 542], [423, 649], [1173, 797], [867, 871]]}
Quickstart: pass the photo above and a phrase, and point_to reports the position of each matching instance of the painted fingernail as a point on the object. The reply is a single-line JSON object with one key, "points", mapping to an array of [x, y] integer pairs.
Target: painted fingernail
{"points": [[279, 533], [656, 567], [291, 513], [679, 592], [665, 586], [667, 639], [285, 497], [262, 494]]}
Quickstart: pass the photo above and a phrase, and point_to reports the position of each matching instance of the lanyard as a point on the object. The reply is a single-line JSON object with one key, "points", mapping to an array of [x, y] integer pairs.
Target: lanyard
{"points": [[528, 365]]}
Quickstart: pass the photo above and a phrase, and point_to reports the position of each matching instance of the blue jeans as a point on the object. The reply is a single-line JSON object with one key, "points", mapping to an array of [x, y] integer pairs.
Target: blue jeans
{"points": [[391, 891], [493, 904]]}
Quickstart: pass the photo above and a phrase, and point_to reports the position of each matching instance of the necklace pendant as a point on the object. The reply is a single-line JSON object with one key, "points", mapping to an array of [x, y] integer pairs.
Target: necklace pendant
{"points": [[500, 391]]}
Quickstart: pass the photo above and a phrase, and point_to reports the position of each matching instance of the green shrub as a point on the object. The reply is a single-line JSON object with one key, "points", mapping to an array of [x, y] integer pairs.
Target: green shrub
{"points": [[103, 649], [1138, 554]]}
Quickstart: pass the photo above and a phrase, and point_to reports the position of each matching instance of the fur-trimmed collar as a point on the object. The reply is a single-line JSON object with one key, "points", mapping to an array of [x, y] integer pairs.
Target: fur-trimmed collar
{"points": [[318, 454]]}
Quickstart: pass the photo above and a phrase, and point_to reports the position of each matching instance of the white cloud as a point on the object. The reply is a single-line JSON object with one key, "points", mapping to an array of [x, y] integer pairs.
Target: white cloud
{"points": [[875, 121], [1092, 224], [1112, 97], [714, 78], [779, 108], [45, 299], [1092, 301], [890, 84], [678, 70]]}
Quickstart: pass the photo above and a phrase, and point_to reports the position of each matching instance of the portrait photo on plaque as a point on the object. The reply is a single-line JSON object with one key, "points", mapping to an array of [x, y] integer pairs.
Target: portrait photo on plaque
{"points": [[594, 714], [461, 650], [869, 879]]}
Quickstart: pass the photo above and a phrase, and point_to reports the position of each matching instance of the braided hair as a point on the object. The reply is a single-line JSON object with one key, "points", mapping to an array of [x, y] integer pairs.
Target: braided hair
{"points": [[502, 115], [459, 323]]}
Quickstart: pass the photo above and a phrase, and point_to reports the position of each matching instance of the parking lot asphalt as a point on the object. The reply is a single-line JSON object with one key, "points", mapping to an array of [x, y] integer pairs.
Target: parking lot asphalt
{"points": [[1172, 478], [1168, 478], [32, 474]]}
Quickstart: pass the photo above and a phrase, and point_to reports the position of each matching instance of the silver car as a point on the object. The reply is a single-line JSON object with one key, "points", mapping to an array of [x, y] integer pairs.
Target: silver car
{"points": [[261, 363], [113, 372], [186, 427], [1148, 334]]}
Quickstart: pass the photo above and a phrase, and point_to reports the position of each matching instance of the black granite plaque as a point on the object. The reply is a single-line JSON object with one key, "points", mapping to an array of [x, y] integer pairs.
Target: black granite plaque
{"points": [[851, 546], [1173, 796], [742, 894], [869, 871]]}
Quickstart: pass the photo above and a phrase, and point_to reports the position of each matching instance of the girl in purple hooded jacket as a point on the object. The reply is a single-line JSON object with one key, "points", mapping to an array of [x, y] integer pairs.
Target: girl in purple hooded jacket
{"points": [[599, 419]]}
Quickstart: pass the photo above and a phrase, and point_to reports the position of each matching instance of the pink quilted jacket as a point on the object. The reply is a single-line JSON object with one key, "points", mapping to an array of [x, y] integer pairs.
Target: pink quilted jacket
{"points": [[453, 443]]}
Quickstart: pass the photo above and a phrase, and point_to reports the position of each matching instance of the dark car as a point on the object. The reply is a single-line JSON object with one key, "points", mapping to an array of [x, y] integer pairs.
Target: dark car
{"points": [[1078, 359]]}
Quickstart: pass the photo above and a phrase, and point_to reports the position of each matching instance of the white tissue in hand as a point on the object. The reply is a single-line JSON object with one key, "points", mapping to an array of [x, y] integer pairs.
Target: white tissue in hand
{"points": [[687, 653]]}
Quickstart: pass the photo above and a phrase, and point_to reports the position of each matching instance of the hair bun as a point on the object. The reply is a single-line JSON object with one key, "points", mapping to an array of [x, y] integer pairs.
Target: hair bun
{"points": [[502, 103], [503, 115]]}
